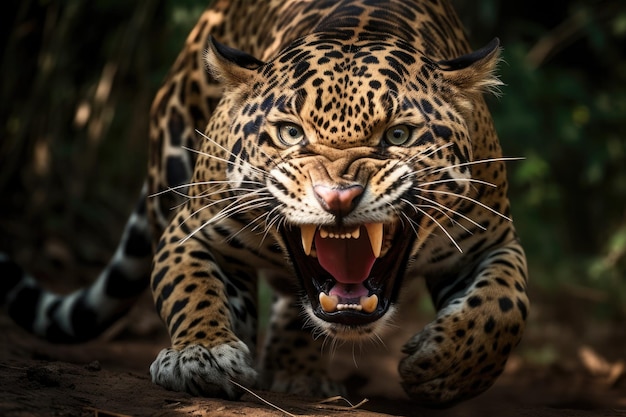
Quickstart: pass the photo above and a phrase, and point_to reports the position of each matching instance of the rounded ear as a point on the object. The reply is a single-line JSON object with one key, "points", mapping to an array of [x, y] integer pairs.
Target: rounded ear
{"points": [[474, 72], [228, 65]]}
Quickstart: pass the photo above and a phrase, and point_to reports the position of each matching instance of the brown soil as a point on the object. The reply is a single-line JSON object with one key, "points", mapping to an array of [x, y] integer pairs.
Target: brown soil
{"points": [[569, 364], [555, 372]]}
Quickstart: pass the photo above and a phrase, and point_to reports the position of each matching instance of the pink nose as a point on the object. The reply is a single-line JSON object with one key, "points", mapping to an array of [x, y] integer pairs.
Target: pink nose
{"points": [[338, 201]]}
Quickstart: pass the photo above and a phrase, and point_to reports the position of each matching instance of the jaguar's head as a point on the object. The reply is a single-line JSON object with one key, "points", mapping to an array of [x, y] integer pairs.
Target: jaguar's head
{"points": [[351, 153]]}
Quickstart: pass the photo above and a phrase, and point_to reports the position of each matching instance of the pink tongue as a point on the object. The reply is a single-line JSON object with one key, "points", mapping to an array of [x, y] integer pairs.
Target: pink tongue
{"points": [[349, 261]]}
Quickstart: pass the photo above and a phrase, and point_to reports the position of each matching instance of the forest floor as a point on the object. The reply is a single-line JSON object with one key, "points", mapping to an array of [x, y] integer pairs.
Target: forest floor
{"points": [[569, 364]]}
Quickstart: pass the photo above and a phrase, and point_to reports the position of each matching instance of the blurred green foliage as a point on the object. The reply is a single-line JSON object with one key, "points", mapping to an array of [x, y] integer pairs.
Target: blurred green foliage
{"points": [[563, 109]]}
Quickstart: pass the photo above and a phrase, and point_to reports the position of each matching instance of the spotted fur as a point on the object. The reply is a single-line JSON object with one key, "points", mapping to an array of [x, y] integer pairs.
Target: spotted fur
{"points": [[362, 119]]}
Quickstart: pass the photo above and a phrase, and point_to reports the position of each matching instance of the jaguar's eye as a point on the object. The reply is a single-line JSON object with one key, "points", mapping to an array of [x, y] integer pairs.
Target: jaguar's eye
{"points": [[398, 135], [290, 134]]}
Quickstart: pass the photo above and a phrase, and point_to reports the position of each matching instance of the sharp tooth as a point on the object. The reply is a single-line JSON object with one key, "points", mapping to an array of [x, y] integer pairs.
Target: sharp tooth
{"points": [[307, 232], [356, 233], [375, 233], [369, 304], [328, 302]]}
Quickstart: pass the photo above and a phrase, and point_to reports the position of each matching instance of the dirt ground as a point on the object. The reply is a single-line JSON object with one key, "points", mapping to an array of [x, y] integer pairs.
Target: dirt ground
{"points": [[570, 363], [572, 369]]}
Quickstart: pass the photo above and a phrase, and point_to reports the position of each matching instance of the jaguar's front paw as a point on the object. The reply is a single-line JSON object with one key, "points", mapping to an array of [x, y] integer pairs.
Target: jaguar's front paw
{"points": [[452, 359], [207, 372]]}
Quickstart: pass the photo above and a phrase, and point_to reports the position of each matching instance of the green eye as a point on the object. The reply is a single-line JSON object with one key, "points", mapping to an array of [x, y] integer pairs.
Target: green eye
{"points": [[398, 135], [290, 134]]}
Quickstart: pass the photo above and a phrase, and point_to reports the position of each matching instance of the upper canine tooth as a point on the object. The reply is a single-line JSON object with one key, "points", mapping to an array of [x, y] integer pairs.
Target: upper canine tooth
{"points": [[375, 233], [307, 232]]}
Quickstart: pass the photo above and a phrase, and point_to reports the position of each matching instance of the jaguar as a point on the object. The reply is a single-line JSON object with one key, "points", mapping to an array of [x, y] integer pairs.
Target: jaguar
{"points": [[339, 151]]}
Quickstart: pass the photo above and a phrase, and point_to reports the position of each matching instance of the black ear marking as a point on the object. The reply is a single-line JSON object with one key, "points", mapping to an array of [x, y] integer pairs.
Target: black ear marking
{"points": [[235, 56], [230, 66], [472, 74], [466, 60]]}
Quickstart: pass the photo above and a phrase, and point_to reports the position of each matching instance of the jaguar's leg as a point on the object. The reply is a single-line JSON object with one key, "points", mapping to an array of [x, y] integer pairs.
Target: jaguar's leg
{"points": [[293, 359], [211, 317], [462, 352]]}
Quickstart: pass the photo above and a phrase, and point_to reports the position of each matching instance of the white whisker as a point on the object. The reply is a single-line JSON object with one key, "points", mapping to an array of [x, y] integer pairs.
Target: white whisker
{"points": [[226, 213], [261, 151], [412, 222], [226, 161], [443, 229], [472, 180], [256, 222], [191, 184], [462, 164], [236, 198], [234, 206], [473, 200], [455, 212], [248, 226], [440, 210], [275, 218]]}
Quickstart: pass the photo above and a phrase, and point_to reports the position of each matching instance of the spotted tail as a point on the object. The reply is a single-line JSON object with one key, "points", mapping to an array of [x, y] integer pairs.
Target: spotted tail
{"points": [[87, 312]]}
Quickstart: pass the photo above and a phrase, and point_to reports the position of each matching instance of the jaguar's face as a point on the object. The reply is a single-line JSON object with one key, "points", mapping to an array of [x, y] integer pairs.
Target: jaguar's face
{"points": [[351, 217], [360, 150]]}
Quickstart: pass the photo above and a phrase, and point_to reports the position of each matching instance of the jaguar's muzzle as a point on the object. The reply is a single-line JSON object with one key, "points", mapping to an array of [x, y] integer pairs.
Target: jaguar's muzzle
{"points": [[351, 274]]}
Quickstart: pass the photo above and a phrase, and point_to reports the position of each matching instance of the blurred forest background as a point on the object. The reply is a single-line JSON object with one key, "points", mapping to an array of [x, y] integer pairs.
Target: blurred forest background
{"points": [[77, 78]]}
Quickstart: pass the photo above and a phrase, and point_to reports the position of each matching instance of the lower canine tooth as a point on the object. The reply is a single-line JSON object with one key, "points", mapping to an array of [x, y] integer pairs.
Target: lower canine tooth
{"points": [[328, 302], [370, 303]]}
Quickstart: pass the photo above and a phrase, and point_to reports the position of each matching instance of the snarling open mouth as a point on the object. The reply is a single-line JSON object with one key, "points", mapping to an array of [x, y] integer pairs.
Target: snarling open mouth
{"points": [[351, 274]]}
